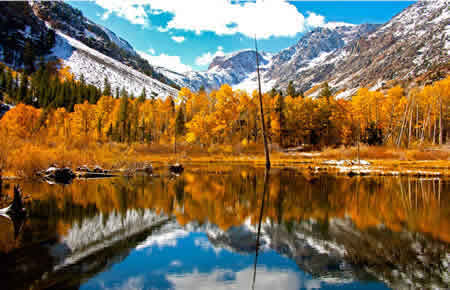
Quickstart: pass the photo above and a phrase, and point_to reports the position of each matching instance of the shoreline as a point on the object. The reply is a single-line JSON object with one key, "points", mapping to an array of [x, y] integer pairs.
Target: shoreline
{"points": [[314, 166]]}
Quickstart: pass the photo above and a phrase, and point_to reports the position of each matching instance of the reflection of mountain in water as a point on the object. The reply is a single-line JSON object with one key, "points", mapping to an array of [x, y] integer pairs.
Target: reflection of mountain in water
{"points": [[337, 252], [88, 248]]}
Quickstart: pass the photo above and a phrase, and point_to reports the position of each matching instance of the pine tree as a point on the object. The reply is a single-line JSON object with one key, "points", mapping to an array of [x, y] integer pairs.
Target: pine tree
{"points": [[28, 57], [301, 94], [279, 110], [273, 92], [117, 93], [3, 79], [107, 88], [291, 90], [23, 90], [143, 96], [180, 122], [326, 92], [123, 116], [124, 93], [2, 76], [50, 39], [109, 133]]}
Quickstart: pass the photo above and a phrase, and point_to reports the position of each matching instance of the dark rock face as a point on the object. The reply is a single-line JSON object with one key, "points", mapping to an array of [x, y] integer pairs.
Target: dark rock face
{"points": [[19, 25]]}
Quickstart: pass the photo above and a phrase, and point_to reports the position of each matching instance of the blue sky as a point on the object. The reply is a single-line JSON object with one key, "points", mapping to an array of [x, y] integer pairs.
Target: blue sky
{"points": [[186, 35]]}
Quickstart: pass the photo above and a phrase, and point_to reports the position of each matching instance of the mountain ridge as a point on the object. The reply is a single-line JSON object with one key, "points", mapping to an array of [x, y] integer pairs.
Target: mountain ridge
{"points": [[404, 49]]}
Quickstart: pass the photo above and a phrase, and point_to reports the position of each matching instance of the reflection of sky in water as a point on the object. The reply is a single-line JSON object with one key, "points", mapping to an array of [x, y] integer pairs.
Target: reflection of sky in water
{"points": [[185, 260]]}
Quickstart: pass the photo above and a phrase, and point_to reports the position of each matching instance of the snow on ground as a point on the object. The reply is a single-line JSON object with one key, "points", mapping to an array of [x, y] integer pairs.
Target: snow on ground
{"points": [[95, 66], [319, 60], [251, 83], [377, 86], [346, 94]]}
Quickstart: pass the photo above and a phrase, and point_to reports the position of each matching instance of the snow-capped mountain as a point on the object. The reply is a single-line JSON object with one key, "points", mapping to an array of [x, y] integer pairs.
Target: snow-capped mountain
{"points": [[58, 31], [312, 49], [410, 44], [239, 68], [414, 42], [232, 69]]}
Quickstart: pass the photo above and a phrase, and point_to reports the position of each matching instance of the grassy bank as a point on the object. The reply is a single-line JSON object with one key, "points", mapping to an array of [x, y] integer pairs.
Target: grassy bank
{"points": [[25, 159]]}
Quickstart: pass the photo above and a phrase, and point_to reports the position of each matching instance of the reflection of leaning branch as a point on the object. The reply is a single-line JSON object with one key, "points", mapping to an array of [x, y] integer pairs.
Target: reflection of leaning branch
{"points": [[258, 236]]}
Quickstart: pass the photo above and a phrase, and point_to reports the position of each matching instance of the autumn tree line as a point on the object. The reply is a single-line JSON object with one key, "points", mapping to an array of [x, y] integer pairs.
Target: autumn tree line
{"points": [[51, 104]]}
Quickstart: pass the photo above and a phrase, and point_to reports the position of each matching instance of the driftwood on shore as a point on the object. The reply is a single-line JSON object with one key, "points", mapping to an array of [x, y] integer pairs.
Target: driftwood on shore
{"points": [[96, 172], [146, 169]]}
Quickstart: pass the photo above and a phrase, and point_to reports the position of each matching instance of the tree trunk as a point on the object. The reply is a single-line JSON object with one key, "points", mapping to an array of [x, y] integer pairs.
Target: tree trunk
{"points": [[441, 129], [263, 124]]}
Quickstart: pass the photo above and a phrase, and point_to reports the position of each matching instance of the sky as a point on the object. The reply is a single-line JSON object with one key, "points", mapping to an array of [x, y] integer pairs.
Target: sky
{"points": [[185, 35]]}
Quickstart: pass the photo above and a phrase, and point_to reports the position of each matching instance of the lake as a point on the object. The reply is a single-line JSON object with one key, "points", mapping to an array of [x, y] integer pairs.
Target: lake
{"points": [[230, 227]]}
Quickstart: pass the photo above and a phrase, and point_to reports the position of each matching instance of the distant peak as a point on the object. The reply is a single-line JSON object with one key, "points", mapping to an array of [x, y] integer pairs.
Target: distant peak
{"points": [[334, 25]]}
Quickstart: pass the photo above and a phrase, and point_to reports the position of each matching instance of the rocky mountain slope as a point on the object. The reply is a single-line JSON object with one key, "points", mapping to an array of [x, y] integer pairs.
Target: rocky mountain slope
{"points": [[64, 18], [239, 69], [414, 42], [410, 44], [19, 27], [313, 49]]}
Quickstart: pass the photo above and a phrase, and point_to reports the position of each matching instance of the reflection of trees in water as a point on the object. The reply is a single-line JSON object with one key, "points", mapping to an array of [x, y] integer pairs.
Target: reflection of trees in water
{"points": [[227, 196]]}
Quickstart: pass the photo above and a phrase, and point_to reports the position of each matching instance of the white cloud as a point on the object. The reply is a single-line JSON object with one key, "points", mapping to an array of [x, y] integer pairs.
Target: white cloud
{"points": [[315, 20], [207, 58], [172, 62], [263, 18], [162, 29], [266, 279], [151, 51], [130, 10], [178, 39]]}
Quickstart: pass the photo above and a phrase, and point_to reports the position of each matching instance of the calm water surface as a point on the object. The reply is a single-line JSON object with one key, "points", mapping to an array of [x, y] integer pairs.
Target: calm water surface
{"points": [[230, 227]]}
